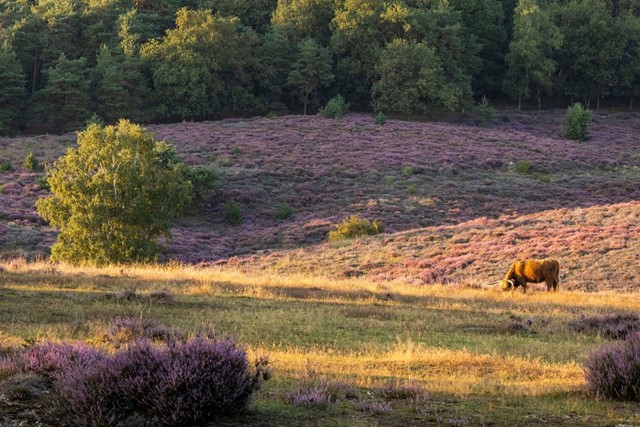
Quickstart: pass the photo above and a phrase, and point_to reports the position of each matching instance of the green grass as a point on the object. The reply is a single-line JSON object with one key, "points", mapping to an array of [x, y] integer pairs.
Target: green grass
{"points": [[483, 356]]}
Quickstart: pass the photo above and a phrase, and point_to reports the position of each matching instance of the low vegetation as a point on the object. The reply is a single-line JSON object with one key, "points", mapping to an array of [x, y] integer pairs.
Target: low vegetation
{"points": [[339, 349], [354, 226]]}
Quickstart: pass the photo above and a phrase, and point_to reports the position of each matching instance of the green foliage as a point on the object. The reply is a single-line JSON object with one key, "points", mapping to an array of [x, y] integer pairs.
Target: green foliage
{"points": [[234, 213], [408, 170], [3, 190], [380, 118], [113, 196], [203, 179], [412, 190], [283, 212], [576, 122], [484, 111], [30, 162], [311, 71], [355, 226], [6, 166], [64, 102], [523, 166], [12, 89], [335, 108], [110, 93], [413, 79]]}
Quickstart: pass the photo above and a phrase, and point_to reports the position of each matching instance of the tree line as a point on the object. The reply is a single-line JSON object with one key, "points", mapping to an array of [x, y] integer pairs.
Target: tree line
{"points": [[62, 61]]}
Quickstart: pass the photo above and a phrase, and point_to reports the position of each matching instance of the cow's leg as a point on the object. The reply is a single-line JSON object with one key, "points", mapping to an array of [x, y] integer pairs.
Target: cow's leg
{"points": [[524, 287], [550, 284]]}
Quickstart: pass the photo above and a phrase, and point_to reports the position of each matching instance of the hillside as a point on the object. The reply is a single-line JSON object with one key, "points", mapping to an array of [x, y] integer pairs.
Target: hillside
{"points": [[485, 195]]}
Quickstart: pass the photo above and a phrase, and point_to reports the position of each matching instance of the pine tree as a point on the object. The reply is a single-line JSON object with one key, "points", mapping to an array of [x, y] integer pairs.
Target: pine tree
{"points": [[110, 95], [64, 102], [12, 89], [311, 71]]}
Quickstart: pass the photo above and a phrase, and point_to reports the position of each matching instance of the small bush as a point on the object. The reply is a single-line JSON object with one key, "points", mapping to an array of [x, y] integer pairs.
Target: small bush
{"points": [[6, 166], [407, 390], [3, 189], [380, 118], [233, 213], [408, 170], [202, 178], [336, 107], [613, 371], [354, 226], [30, 162], [375, 408], [576, 122], [310, 396], [171, 384], [411, 189], [523, 166], [612, 326], [484, 111], [126, 329], [283, 212]]}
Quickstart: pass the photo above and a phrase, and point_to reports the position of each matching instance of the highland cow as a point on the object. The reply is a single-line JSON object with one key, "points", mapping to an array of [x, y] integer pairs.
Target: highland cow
{"points": [[532, 270]]}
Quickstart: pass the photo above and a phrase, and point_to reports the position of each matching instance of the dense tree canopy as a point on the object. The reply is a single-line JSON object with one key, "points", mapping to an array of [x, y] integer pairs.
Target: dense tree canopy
{"points": [[114, 195], [203, 58]]}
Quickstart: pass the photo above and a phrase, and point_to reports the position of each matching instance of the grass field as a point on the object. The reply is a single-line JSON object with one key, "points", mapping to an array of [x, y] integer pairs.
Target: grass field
{"points": [[404, 328], [481, 356]]}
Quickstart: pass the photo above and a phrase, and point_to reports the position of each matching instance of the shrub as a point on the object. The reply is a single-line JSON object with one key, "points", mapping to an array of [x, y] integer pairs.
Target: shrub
{"points": [[380, 118], [613, 326], [408, 170], [6, 166], [613, 371], [336, 107], [171, 384], [354, 226], [376, 408], [576, 122], [310, 396], [114, 196], [202, 178], [484, 111], [523, 166], [283, 211], [127, 329], [234, 212], [30, 162]]}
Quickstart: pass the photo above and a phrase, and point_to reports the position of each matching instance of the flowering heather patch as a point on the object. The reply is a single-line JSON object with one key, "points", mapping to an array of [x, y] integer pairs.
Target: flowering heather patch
{"points": [[613, 371], [327, 170], [311, 396], [614, 326], [375, 408], [173, 384]]}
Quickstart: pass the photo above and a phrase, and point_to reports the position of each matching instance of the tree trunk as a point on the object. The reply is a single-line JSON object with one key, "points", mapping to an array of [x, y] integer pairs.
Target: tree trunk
{"points": [[539, 100], [631, 102], [305, 109], [598, 101], [35, 73], [519, 102]]}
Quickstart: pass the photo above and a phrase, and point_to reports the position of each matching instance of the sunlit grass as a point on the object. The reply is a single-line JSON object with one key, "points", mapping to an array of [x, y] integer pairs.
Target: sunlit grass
{"points": [[464, 345]]}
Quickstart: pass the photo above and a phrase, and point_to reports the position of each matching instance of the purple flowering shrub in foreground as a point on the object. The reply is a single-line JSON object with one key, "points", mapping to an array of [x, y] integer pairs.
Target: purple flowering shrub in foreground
{"points": [[614, 371], [174, 383]]}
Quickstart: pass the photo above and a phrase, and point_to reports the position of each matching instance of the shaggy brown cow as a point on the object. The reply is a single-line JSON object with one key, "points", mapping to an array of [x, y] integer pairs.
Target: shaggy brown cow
{"points": [[534, 271]]}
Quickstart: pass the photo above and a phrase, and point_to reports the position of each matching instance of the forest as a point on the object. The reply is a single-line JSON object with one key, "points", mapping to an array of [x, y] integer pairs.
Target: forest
{"points": [[64, 61]]}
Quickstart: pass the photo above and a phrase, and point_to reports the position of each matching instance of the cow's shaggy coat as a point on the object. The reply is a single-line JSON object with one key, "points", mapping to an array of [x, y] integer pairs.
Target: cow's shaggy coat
{"points": [[534, 271]]}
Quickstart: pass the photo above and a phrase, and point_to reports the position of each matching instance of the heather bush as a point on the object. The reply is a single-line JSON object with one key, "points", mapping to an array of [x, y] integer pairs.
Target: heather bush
{"points": [[613, 371], [335, 108], [576, 122], [233, 212], [283, 212], [406, 390], [30, 162], [613, 326], [311, 396], [175, 383], [354, 226], [376, 408], [126, 329]]}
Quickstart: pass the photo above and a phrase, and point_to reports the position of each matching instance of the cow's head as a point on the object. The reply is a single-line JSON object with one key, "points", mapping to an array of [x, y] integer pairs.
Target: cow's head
{"points": [[507, 284]]}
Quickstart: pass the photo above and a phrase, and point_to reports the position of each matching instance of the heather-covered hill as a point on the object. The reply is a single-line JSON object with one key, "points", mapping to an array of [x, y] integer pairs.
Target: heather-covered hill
{"points": [[485, 193]]}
